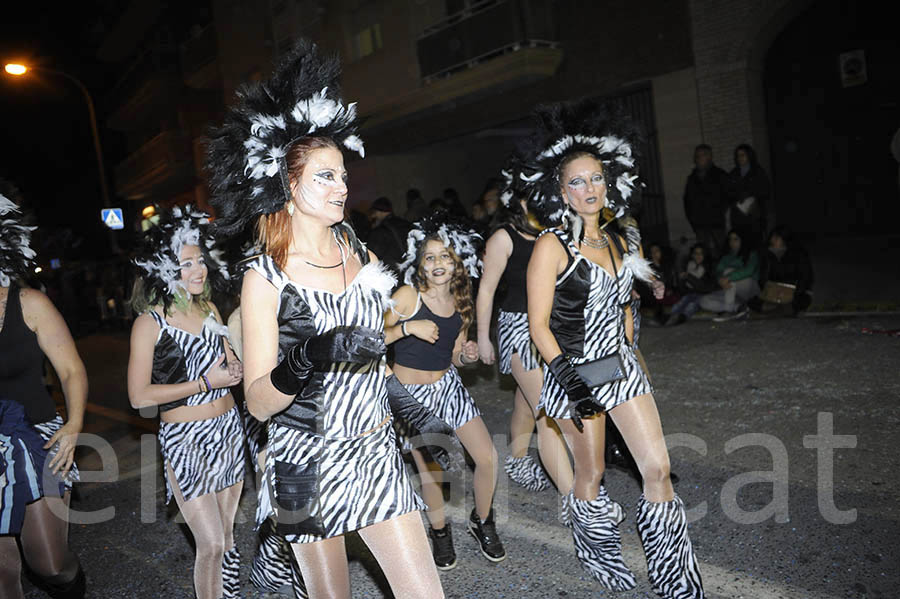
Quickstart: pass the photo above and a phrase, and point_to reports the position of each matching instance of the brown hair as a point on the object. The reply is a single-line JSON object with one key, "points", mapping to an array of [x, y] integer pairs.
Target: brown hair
{"points": [[460, 283], [274, 231]]}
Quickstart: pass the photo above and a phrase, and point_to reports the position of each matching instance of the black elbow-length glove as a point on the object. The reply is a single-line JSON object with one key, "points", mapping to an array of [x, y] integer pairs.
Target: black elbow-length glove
{"points": [[581, 401], [405, 406], [341, 344]]}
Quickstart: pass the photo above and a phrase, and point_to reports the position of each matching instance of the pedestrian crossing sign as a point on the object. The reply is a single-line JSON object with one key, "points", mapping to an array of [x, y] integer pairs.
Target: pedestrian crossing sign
{"points": [[112, 218]]}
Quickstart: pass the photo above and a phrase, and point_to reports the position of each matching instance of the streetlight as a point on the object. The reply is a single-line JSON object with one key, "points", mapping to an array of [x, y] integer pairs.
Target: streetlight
{"points": [[19, 70]]}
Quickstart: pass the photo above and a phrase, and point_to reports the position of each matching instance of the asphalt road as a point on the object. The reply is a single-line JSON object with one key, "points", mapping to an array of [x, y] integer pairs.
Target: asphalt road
{"points": [[748, 408]]}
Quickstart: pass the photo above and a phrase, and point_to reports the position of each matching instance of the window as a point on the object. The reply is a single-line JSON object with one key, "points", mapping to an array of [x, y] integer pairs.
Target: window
{"points": [[366, 42]]}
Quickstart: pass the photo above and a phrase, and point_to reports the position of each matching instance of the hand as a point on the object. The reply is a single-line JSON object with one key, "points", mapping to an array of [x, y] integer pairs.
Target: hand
{"points": [[359, 345], [469, 353], [581, 401], [486, 351], [659, 288], [67, 437], [236, 368], [425, 330], [724, 282], [220, 376]]}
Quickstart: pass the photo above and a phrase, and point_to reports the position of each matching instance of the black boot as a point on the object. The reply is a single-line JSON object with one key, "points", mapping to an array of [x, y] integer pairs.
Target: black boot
{"points": [[485, 533], [72, 588], [671, 564], [442, 547]]}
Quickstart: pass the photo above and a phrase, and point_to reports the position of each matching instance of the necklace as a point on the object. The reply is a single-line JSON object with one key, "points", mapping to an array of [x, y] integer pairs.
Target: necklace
{"points": [[341, 263], [597, 244]]}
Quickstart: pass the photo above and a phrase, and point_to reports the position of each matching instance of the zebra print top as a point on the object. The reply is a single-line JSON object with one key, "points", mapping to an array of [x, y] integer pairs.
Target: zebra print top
{"points": [[587, 316], [180, 356], [348, 399]]}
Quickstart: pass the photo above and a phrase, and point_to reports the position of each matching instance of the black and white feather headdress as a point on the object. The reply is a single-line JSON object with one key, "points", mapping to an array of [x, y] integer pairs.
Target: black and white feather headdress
{"points": [[453, 232], [160, 257], [16, 255], [584, 126], [246, 155]]}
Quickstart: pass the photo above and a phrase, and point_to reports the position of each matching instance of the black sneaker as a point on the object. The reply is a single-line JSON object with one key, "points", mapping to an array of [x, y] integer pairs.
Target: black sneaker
{"points": [[442, 547], [486, 534]]}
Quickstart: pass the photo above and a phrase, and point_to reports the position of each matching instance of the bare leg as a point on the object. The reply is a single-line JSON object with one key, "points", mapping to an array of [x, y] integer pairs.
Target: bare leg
{"points": [[203, 519], [432, 477], [402, 551], [475, 437], [10, 569], [638, 421], [228, 500], [587, 451], [521, 425], [324, 568], [551, 447]]}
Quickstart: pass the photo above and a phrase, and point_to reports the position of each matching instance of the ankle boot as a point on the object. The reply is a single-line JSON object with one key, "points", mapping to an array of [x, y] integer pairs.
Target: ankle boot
{"points": [[231, 571], [671, 564], [526, 472], [73, 588], [598, 543]]}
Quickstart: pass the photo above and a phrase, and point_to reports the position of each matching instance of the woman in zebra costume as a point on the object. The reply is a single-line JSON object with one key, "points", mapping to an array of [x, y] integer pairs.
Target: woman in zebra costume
{"points": [[37, 447], [181, 364], [579, 167], [313, 332], [428, 325], [506, 257]]}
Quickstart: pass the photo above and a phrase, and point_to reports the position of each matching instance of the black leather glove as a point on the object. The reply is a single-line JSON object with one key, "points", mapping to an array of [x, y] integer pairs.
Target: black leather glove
{"points": [[581, 402], [403, 405], [340, 344]]}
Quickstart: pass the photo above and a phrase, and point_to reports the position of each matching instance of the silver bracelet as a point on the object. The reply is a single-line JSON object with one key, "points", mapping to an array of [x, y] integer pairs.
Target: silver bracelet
{"points": [[403, 328]]}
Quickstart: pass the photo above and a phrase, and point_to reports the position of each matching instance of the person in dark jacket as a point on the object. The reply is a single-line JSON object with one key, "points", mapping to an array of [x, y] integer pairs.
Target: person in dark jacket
{"points": [[706, 199], [387, 239], [750, 190], [696, 279], [787, 262]]}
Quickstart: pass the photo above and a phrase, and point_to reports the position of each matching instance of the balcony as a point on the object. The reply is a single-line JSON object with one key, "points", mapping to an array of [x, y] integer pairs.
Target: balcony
{"points": [[163, 164], [149, 86], [199, 60]]}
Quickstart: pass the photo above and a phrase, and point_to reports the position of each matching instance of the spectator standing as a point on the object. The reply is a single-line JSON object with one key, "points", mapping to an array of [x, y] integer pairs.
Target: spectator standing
{"points": [[415, 205], [453, 203], [706, 199], [485, 209], [387, 238], [750, 189], [737, 273]]}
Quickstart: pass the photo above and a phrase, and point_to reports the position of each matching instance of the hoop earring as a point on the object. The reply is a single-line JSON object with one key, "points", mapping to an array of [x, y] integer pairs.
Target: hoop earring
{"points": [[290, 208]]}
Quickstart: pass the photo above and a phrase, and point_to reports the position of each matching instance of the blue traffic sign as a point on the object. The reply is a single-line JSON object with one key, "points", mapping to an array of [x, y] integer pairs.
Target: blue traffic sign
{"points": [[112, 218]]}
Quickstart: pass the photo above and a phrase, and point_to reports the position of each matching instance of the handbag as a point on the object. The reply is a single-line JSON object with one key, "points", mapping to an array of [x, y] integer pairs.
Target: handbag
{"points": [[777, 293], [610, 367], [297, 498]]}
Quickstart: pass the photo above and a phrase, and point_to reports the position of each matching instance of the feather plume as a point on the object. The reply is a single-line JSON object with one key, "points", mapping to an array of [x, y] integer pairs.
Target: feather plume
{"points": [[639, 267]]}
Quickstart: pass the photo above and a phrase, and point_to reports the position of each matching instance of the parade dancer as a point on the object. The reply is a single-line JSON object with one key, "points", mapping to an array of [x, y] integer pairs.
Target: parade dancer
{"points": [[578, 164], [181, 363], [428, 325], [312, 322], [37, 447], [506, 257]]}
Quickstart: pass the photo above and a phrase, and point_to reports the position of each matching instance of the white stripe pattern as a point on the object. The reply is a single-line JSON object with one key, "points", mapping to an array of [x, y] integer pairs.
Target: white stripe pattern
{"points": [[513, 338]]}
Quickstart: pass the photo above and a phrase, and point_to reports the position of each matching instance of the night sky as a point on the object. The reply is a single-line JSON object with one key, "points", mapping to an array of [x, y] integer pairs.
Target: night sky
{"points": [[47, 151]]}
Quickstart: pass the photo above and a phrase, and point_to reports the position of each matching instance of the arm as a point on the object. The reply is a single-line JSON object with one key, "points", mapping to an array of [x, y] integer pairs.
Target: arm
{"points": [[750, 269], [54, 339], [496, 255], [464, 352], [404, 306], [234, 363], [547, 261]]}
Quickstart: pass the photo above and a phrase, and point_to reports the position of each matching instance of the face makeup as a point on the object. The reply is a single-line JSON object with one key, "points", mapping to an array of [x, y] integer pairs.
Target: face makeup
{"points": [[322, 188], [584, 185], [437, 263], [193, 269]]}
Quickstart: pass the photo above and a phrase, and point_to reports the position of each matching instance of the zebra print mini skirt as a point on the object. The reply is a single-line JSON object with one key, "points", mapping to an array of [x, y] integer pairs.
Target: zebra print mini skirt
{"points": [[361, 480], [206, 455], [555, 401], [447, 398], [513, 338]]}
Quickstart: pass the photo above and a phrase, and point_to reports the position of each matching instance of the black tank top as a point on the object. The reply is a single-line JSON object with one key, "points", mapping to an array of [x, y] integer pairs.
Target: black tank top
{"points": [[515, 299], [22, 364], [412, 352]]}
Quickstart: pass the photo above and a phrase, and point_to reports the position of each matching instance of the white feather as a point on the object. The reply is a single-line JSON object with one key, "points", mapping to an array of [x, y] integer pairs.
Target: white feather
{"points": [[639, 267], [375, 275], [353, 142], [215, 326], [532, 177]]}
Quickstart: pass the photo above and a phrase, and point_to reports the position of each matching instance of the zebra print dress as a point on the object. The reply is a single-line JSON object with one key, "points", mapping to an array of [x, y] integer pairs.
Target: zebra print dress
{"points": [[513, 338], [603, 335], [206, 456], [362, 479]]}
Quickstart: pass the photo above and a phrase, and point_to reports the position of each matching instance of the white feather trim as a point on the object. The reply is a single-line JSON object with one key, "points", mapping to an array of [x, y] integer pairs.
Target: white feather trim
{"points": [[7, 206], [378, 277], [639, 267], [353, 142], [532, 177], [215, 326]]}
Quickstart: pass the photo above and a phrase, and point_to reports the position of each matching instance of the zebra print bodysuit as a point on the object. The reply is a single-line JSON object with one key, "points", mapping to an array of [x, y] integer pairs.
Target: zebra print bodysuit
{"points": [[604, 331], [206, 456], [362, 479]]}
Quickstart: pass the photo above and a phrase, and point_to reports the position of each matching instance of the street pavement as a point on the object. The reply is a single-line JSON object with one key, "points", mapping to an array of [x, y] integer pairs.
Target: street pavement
{"points": [[744, 404]]}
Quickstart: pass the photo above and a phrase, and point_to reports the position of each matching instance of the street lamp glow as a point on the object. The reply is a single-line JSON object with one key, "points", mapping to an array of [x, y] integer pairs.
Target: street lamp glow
{"points": [[16, 69]]}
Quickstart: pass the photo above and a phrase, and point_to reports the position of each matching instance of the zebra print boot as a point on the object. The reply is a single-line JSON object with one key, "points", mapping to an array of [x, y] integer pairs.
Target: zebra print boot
{"points": [[597, 541], [231, 574], [565, 511], [273, 568], [527, 473], [671, 564]]}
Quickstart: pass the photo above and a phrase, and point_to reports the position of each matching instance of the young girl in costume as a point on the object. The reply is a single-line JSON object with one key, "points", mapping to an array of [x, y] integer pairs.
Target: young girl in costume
{"points": [[181, 364], [428, 325]]}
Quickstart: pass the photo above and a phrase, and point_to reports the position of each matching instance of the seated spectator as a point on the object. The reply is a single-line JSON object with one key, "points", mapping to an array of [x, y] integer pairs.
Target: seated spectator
{"points": [[663, 262], [387, 239], [785, 264], [696, 279], [737, 274]]}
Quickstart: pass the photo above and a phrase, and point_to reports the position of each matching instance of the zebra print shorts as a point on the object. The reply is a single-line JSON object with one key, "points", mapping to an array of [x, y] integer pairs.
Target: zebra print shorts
{"points": [[513, 338], [636, 383], [206, 455], [361, 480]]}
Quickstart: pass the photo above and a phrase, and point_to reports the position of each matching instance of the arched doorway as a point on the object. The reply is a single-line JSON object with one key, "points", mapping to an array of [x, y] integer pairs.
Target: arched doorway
{"points": [[830, 130]]}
